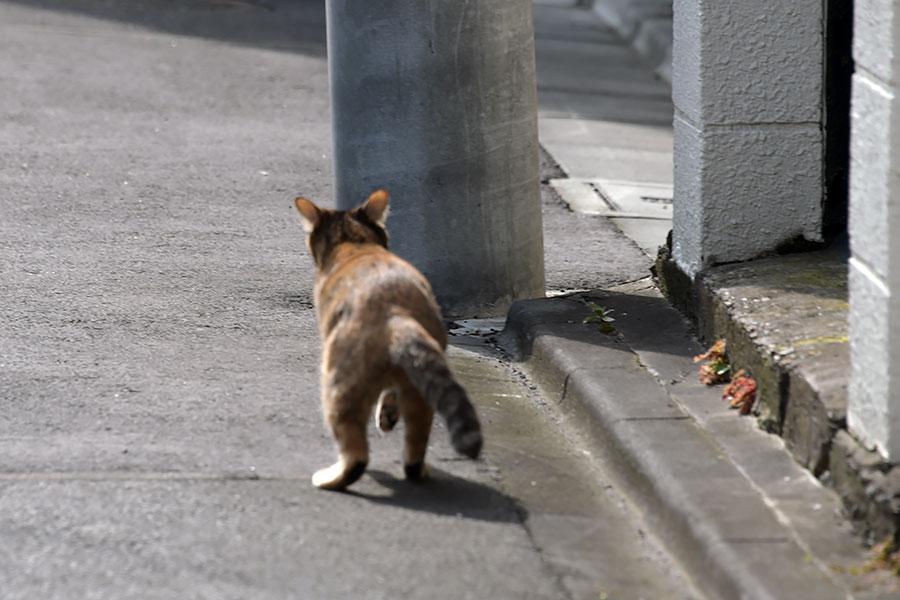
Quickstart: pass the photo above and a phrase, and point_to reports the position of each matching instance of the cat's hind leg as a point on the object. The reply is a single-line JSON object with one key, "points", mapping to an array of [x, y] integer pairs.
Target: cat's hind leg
{"points": [[388, 413], [348, 420], [417, 418]]}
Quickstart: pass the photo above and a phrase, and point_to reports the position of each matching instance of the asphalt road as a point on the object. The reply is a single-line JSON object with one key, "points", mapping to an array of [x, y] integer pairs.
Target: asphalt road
{"points": [[158, 349]]}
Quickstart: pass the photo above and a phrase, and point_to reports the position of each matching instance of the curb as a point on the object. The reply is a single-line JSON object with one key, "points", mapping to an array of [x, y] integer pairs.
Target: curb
{"points": [[785, 319], [755, 528]]}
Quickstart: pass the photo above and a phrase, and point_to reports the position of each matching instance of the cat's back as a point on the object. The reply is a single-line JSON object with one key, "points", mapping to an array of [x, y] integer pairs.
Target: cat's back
{"points": [[368, 285]]}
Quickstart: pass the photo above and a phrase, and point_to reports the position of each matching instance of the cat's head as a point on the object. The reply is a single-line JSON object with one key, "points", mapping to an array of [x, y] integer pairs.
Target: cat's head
{"points": [[327, 228]]}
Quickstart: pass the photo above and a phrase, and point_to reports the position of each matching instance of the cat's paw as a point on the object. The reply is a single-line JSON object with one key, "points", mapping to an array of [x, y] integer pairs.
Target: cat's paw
{"points": [[417, 472], [336, 477], [388, 413]]}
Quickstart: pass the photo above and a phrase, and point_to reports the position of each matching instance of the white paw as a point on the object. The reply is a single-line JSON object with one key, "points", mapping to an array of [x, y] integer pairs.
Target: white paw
{"points": [[329, 478]]}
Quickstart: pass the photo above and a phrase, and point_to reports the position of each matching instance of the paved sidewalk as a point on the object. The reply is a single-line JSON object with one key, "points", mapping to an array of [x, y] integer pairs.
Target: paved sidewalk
{"points": [[607, 121], [729, 499], [159, 352]]}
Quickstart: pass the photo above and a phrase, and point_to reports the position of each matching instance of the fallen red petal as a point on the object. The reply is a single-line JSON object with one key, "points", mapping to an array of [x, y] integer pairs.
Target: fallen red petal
{"points": [[740, 393]]}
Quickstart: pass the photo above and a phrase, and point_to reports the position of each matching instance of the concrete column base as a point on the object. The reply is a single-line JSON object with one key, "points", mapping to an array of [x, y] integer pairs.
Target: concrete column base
{"points": [[436, 102]]}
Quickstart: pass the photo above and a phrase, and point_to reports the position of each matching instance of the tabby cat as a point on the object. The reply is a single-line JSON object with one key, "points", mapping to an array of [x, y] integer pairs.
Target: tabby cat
{"points": [[383, 342]]}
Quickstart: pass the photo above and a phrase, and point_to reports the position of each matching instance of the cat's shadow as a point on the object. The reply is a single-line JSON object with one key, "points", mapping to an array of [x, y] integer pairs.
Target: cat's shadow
{"points": [[443, 493]]}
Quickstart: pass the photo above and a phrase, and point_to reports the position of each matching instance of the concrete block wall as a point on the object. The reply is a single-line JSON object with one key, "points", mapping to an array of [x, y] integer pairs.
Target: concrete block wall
{"points": [[874, 279], [748, 92]]}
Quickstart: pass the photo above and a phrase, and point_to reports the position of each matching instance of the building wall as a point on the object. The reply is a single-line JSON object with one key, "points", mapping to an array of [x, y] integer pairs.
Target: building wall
{"points": [[748, 91], [874, 396]]}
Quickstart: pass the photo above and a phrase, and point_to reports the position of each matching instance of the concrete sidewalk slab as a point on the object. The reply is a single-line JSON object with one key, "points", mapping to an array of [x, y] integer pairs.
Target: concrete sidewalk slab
{"points": [[642, 211], [598, 106], [587, 148], [646, 25], [611, 198], [602, 113]]}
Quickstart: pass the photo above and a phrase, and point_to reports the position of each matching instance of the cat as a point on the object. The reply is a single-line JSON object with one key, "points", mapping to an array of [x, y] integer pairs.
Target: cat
{"points": [[383, 342]]}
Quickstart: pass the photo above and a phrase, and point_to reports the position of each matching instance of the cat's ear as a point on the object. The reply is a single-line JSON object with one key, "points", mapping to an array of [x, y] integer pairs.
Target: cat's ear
{"points": [[376, 207], [309, 213]]}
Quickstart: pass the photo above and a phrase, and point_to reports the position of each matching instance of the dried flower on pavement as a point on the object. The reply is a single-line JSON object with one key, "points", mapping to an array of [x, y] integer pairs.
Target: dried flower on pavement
{"points": [[741, 392], [716, 368]]}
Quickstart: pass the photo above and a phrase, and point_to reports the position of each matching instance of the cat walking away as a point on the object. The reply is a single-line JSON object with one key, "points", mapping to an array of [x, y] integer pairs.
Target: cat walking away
{"points": [[383, 343]]}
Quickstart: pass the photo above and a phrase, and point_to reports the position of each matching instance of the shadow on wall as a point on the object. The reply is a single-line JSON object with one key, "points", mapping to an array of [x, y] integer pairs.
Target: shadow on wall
{"points": [[284, 25]]}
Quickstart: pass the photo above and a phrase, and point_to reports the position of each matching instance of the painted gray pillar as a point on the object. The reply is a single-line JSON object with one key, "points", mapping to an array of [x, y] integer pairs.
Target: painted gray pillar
{"points": [[435, 101], [748, 92], [873, 412]]}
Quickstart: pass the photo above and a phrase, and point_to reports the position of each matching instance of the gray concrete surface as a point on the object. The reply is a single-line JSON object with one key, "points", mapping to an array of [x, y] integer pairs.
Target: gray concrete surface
{"points": [[580, 247], [158, 352], [785, 318], [436, 102], [728, 500], [607, 121], [588, 534], [743, 518], [158, 358], [690, 492], [646, 25]]}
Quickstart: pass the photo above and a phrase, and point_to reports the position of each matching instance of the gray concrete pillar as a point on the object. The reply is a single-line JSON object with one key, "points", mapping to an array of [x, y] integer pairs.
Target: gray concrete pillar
{"points": [[748, 92], [435, 101], [873, 414]]}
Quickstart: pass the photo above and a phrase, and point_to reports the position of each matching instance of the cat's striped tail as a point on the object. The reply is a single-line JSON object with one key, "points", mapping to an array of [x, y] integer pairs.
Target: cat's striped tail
{"points": [[420, 356]]}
